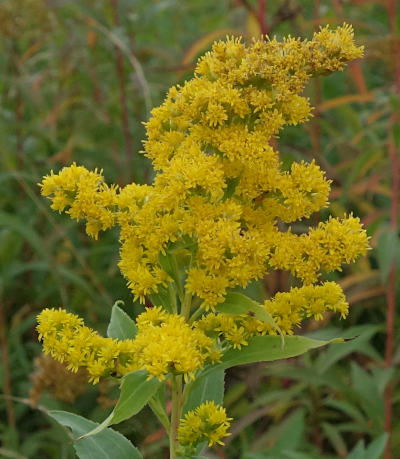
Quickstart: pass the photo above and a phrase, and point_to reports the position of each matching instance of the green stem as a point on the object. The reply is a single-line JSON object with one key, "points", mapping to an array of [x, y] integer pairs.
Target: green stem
{"points": [[196, 314], [186, 306], [172, 295], [175, 414]]}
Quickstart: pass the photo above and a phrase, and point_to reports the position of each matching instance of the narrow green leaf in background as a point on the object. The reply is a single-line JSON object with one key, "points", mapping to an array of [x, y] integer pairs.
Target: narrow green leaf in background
{"points": [[335, 438], [388, 252], [360, 344], [377, 447], [374, 450]]}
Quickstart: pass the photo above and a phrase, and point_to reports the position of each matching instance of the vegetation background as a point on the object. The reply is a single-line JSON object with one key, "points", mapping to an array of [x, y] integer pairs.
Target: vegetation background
{"points": [[77, 79]]}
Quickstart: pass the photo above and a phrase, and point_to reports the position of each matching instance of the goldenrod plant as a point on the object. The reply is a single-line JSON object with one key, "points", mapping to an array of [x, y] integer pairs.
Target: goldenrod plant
{"points": [[217, 216]]}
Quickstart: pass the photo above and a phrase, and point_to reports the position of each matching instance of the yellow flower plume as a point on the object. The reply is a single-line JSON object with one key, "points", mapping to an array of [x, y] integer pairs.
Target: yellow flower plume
{"points": [[219, 185]]}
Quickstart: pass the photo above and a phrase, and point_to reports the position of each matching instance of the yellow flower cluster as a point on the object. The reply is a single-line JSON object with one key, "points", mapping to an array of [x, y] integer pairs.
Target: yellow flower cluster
{"points": [[325, 247], [66, 339], [164, 344], [220, 190], [288, 309], [85, 194], [208, 422]]}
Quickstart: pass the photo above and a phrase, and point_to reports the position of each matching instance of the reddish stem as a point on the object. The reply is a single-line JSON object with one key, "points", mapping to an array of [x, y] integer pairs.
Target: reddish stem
{"points": [[316, 123], [259, 14], [261, 17], [391, 290], [122, 88]]}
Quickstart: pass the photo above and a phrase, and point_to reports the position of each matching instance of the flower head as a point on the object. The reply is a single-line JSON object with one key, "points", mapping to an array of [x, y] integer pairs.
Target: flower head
{"points": [[208, 422]]}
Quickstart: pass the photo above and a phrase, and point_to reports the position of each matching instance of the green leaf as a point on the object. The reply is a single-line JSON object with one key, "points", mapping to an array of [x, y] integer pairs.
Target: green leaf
{"points": [[388, 252], [382, 376], [292, 433], [358, 452], [121, 326], [210, 388], [396, 134], [25, 230], [337, 352], [107, 444], [348, 408], [265, 349], [170, 266], [374, 450], [377, 447], [335, 438], [10, 246], [237, 304], [162, 298], [157, 403], [368, 395], [136, 391]]}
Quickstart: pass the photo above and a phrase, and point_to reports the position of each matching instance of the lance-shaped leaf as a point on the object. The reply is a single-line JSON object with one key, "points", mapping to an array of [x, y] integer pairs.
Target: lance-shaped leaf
{"points": [[121, 326], [266, 349], [136, 391], [108, 444], [206, 389], [237, 304]]}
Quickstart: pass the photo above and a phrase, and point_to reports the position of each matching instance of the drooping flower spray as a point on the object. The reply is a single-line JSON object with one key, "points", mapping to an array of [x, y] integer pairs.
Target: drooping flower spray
{"points": [[209, 223]]}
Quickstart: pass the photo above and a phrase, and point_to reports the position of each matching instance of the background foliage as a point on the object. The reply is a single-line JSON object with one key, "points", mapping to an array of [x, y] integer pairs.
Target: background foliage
{"points": [[77, 79]]}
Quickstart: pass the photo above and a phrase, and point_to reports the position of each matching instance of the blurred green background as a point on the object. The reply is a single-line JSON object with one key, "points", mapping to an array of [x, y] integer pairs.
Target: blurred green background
{"points": [[77, 79]]}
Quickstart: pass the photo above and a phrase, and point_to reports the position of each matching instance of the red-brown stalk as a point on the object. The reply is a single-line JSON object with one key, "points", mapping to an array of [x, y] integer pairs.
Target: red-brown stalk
{"points": [[122, 89], [391, 289]]}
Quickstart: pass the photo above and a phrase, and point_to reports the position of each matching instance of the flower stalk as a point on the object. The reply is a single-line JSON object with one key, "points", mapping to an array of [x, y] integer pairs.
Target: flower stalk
{"points": [[176, 409]]}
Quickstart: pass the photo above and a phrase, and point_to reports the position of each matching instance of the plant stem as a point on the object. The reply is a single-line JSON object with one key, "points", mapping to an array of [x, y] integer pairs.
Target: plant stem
{"points": [[172, 295], [259, 14], [391, 290], [186, 306], [261, 17], [316, 123], [122, 91], [175, 414], [196, 314]]}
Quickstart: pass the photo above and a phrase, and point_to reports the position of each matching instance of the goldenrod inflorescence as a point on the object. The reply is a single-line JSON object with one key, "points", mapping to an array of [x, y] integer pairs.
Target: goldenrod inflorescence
{"points": [[220, 211], [219, 182], [164, 344], [208, 422]]}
